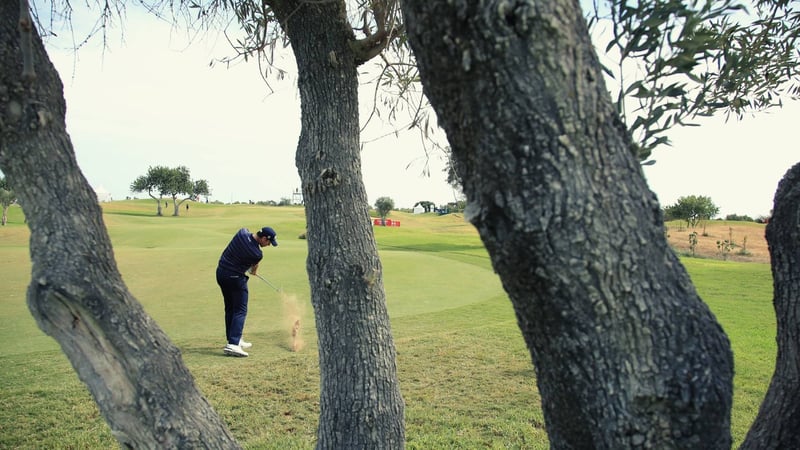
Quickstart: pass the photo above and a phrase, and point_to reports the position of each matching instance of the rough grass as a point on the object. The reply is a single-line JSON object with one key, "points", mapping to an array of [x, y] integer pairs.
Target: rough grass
{"points": [[464, 371]]}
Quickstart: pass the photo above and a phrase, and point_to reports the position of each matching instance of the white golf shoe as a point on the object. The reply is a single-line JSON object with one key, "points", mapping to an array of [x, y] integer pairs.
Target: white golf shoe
{"points": [[244, 344], [235, 350]]}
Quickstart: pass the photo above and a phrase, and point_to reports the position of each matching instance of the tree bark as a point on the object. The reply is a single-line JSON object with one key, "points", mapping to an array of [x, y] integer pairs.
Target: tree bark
{"points": [[76, 295], [777, 425], [360, 402], [626, 354]]}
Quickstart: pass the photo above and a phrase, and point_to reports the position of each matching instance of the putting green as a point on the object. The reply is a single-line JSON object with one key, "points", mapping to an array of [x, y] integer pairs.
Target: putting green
{"points": [[168, 264]]}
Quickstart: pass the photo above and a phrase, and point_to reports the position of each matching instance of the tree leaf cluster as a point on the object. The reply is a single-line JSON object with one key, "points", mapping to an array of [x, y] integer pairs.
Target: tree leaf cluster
{"points": [[696, 58], [384, 205], [692, 209], [160, 181]]}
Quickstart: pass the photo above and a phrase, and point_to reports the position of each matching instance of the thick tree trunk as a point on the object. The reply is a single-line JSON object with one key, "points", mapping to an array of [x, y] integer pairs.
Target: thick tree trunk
{"points": [[626, 354], [360, 402], [777, 425], [136, 376]]}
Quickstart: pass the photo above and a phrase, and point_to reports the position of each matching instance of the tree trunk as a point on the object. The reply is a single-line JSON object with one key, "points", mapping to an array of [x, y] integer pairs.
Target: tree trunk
{"points": [[360, 402], [777, 425], [158, 204], [134, 373], [626, 354]]}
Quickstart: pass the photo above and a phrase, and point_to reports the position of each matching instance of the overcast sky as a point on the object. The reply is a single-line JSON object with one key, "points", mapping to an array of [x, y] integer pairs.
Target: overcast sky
{"points": [[153, 100]]}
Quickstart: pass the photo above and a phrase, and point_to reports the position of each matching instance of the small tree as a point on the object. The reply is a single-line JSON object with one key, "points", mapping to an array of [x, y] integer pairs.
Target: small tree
{"points": [[175, 183], [180, 184], [739, 218], [200, 188], [384, 205], [7, 198], [692, 209], [153, 182]]}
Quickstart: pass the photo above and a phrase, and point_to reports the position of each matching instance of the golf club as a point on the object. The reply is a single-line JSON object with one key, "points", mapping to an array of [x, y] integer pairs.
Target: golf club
{"points": [[265, 281]]}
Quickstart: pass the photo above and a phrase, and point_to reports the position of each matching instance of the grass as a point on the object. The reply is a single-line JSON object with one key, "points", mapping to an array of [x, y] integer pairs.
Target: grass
{"points": [[740, 294], [464, 371]]}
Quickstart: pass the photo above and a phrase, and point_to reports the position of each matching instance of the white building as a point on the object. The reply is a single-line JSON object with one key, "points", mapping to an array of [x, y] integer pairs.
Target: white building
{"points": [[102, 194]]}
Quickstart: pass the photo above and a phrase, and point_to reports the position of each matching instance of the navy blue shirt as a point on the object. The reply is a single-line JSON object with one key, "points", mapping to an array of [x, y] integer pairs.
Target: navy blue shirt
{"points": [[241, 253]]}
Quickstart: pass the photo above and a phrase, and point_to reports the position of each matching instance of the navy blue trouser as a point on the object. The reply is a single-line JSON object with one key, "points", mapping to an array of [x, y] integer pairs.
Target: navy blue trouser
{"points": [[234, 291]]}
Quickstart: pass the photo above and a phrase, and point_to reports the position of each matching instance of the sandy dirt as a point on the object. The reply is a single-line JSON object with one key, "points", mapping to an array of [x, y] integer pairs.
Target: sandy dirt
{"points": [[748, 237]]}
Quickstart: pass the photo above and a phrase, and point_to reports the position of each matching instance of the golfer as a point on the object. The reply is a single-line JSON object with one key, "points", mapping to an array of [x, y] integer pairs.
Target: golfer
{"points": [[242, 254]]}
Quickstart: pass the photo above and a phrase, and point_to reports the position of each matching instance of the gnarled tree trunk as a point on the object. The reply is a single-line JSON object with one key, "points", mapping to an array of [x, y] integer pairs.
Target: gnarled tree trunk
{"points": [[626, 354], [777, 425], [360, 401], [134, 373]]}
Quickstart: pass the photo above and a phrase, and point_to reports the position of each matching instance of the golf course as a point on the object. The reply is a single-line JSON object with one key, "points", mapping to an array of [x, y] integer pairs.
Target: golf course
{"points": [[465, 374]]}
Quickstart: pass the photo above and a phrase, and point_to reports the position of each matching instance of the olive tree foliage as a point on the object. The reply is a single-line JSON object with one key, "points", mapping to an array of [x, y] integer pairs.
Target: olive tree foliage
{"points": [[671, 62], [7, 198], [154, 182], [674, 61], [384, 205], [180, 184], [693, 209], [76, 295], [173, 182]]}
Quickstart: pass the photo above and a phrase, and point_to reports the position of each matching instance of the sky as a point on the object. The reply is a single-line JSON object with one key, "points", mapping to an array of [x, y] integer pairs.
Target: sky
{"points": [[149, 98]]}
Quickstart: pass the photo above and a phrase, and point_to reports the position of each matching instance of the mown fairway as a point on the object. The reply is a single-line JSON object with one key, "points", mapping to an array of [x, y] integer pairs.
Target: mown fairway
{"points": [[465, 373]]}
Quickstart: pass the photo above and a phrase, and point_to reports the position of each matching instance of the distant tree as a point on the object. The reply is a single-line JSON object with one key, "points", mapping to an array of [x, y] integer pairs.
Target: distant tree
{"points": [[692, 209], [383, 205], [200, 188], [171, 182], [285, 201], [7, 198], [457, 206], [738, 218], [179, 183], [154, 183], [426, 205]]}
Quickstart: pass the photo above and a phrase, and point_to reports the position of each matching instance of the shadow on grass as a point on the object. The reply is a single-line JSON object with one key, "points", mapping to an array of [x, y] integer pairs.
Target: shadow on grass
{"points": [[203, 351], [132, 213], [433, 247]]}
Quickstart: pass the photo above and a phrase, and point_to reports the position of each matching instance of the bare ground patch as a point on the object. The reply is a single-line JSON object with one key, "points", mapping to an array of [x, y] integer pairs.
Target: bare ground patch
{"points": [[749, 243]]}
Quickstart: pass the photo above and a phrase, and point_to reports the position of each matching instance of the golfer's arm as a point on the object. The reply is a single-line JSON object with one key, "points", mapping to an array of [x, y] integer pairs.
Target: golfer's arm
{"points": [[254, 268]]}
